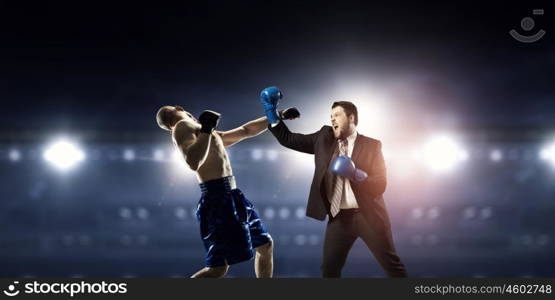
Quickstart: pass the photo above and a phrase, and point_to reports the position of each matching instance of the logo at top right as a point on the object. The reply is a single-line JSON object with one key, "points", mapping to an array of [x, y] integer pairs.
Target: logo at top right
{"points": [[527, 24]]}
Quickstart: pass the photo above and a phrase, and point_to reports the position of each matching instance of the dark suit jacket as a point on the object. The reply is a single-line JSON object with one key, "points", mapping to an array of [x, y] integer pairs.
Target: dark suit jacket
{"points": [[367, 155]]}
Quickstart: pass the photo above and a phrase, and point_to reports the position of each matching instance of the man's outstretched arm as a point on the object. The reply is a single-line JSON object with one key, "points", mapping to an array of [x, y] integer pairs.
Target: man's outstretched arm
{"points": [[295, 141], [269, 98], [247, 130], [254, 127]]}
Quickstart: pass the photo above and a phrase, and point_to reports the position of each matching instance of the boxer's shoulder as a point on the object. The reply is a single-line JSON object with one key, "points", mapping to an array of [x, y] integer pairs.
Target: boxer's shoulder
{"points": [[184, 130]]}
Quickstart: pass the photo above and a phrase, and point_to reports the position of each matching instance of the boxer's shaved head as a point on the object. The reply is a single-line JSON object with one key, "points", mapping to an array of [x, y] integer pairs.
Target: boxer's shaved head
{"points": [[163, 117], [167, 116]]}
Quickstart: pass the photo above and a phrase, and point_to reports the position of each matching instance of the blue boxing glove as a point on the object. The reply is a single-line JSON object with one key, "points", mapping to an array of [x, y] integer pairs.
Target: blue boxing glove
{"points": [[269, 97], [344, 166]]}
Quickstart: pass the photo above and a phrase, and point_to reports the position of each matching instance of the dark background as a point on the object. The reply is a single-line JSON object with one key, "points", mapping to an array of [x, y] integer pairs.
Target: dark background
{"points": [[98, 71], [109, 66]]}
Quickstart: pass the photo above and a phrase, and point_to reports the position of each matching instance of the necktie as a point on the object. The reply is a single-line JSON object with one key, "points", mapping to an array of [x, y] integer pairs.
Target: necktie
{"points": [[339, 186]]}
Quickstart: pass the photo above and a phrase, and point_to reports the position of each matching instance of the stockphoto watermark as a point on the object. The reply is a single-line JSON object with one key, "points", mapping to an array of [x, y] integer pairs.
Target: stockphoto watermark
{"points": [[527, 24], [67, 288]]}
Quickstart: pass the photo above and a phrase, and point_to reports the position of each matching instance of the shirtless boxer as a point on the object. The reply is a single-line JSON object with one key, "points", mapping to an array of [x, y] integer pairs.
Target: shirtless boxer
{"points": [[230, 227]]}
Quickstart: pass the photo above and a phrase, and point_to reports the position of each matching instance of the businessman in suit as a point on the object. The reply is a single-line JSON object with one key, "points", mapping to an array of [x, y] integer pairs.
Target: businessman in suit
{"points": [[348, 185]]}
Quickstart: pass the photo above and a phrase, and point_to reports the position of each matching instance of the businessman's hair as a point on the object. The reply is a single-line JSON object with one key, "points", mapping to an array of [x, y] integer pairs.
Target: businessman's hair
{"points": [[348, 107]]}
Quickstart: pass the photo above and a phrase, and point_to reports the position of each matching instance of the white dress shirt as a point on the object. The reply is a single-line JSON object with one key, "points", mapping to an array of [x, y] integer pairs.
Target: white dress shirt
{"points": [[349, 201]]}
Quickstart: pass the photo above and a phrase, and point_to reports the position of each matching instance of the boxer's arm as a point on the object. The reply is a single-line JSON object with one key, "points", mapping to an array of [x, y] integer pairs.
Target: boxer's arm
{"points": [[195, 148], [296, 141], [247, 130], [376, 182]]}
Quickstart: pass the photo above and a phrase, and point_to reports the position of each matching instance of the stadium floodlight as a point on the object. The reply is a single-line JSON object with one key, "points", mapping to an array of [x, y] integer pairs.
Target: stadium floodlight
{"points": [[63, 154], [442, 153], [128, 154], [496, 155], [158, 154], [14, 155], [547, 153], [257, 154]]}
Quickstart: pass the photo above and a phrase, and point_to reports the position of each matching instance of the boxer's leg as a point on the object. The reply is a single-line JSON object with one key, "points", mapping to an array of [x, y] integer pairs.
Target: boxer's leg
{"points": [[211, 272], [260, 238], [213, 234], [264, 260]]}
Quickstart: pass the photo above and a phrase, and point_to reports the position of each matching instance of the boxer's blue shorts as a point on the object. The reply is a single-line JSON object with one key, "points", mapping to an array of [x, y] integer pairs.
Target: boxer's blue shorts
{"points": [[230, 227]]}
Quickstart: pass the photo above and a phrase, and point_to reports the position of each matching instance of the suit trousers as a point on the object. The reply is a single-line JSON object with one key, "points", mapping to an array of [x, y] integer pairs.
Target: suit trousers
{"points": [[341, 233]]}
